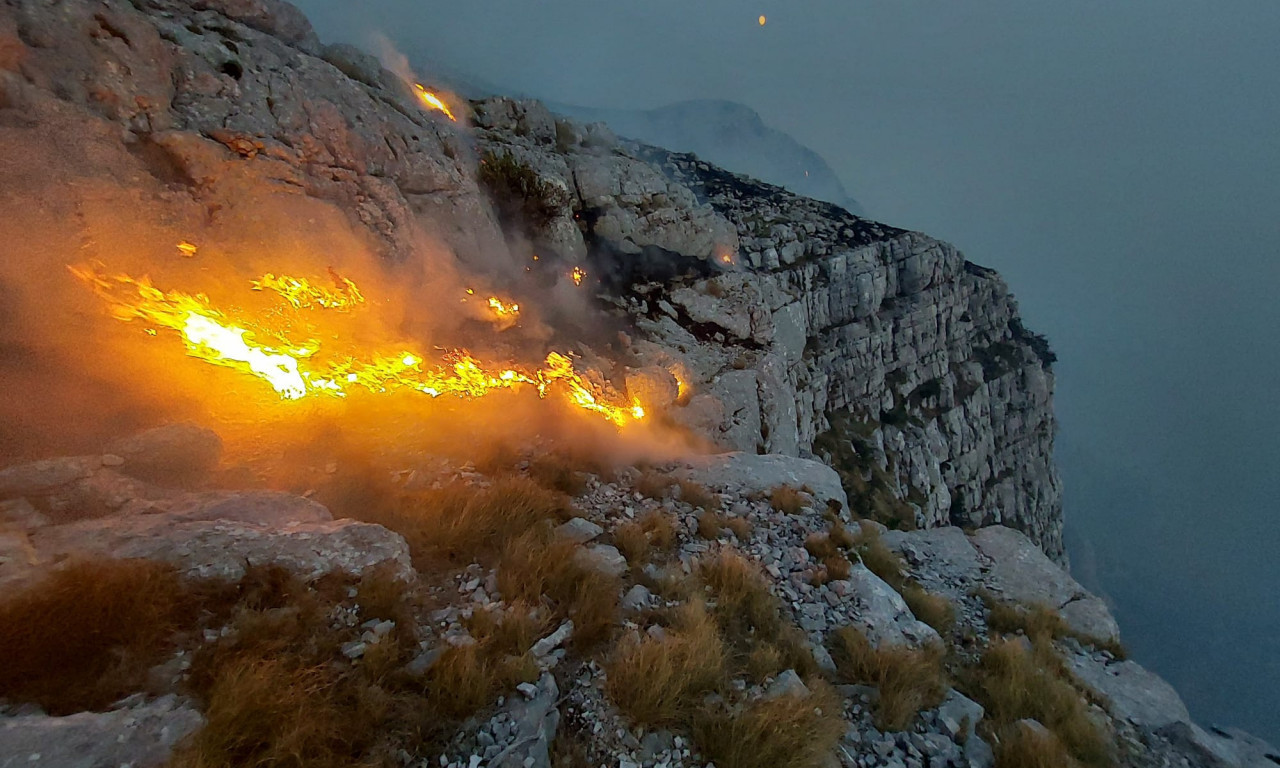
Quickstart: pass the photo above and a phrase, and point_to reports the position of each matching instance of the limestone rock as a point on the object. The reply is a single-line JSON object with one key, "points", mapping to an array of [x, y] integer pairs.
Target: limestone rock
{"points": [[1130, 692], [579, 530], [882, 613], [746, 473], [603, 559], [1021, 572], [142, 736], [224, 548]]}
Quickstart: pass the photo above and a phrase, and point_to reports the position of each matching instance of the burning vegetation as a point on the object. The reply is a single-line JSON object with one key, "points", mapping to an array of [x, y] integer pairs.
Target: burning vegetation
{"points": [[277, 347]]}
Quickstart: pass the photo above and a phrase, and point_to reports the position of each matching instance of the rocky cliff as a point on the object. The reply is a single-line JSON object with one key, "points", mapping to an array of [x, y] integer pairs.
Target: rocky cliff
{"points": [[884, 378]]}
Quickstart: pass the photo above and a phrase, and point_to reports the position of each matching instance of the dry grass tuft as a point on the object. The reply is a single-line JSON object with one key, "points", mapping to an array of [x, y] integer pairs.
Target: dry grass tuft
{"points": [[538, 565], [934, 610], [841, 537], [697, 495], [786, 732], [659, 681], [1013, 683], [909, 679], [632, 541], [654, 485], [558, 472], [1040, 623], [740, 527], [1022, 747], [820, 546], [460, 522], [660, 527], [85, 635], [878, 558], [787, 500], [710, 525], [744, 606], [837, 567]]}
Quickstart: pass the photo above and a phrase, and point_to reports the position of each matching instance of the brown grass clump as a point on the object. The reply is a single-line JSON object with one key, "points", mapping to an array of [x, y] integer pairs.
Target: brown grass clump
{"points": [[538, 564], [274, 695], [909, 679], [460, 522], [785, 732], [934, 610], [1041, 624], [85, 635], [744, 604], [660, 528], [632, 541], [558, 472], [1023, 747], [739, 526], [1013, 683], [660, 681], [837, 567], [697, 495], [710, 525], [787, 500], [820, 546], [841, 537], [878, 558], [653, 485]]}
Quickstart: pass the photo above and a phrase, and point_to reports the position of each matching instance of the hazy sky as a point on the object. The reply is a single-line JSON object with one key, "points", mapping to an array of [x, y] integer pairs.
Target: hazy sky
{"points": [[1118, 162]]}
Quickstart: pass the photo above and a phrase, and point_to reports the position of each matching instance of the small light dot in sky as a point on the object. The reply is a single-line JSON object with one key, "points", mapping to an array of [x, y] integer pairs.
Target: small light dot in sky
{"points": [[762, 20]]}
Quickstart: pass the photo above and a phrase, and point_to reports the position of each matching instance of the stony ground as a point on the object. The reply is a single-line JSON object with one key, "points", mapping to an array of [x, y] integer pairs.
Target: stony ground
{"points": [[565, 712]]}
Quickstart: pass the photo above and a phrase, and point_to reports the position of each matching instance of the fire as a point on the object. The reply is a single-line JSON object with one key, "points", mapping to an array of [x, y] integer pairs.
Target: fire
{"points": [[501, 309], [297, 370], [300, 292], [433, 101], [763, 20], [577, 274]]}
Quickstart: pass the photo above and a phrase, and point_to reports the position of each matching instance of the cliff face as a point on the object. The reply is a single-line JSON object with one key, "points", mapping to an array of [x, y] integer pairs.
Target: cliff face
{"points": [[765, 322], [883, 351], [799, 328]]}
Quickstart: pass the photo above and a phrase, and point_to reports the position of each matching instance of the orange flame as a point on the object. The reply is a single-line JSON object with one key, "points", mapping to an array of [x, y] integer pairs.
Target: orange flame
{"points": [[501, 309], [299, 291], [577, 274], [433, 101], [297, 370]]}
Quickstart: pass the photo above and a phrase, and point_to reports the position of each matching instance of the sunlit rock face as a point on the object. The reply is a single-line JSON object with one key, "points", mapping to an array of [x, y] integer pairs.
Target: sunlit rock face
{"points": [[789, 325]]}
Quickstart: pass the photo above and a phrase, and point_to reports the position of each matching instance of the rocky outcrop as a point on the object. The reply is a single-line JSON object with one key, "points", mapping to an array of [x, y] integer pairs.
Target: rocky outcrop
{"points": [[796, 328]]}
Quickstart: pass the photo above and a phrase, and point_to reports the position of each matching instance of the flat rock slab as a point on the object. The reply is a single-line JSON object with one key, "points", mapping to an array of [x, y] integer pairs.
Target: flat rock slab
{"points": [[141, 737], [264, 507], [1131, 692], [225, 548], [939, 556], [1023, 573], [746, 473]]}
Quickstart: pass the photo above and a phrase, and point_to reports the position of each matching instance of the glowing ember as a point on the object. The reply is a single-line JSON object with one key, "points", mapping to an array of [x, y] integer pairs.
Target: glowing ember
{"points": [[302, 294], [503, 310], [433, 101], [297, 370], [763, 20], [577, 274], [187, 249]]}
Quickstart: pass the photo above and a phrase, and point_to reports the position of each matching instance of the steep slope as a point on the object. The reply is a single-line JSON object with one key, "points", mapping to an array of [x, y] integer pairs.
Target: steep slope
{"points": [[759, 320]]}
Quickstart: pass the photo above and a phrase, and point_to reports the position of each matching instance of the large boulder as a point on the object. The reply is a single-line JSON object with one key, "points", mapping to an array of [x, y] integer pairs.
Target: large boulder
{"points": [[1021, 572], [224, 549], [880, 612]]}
